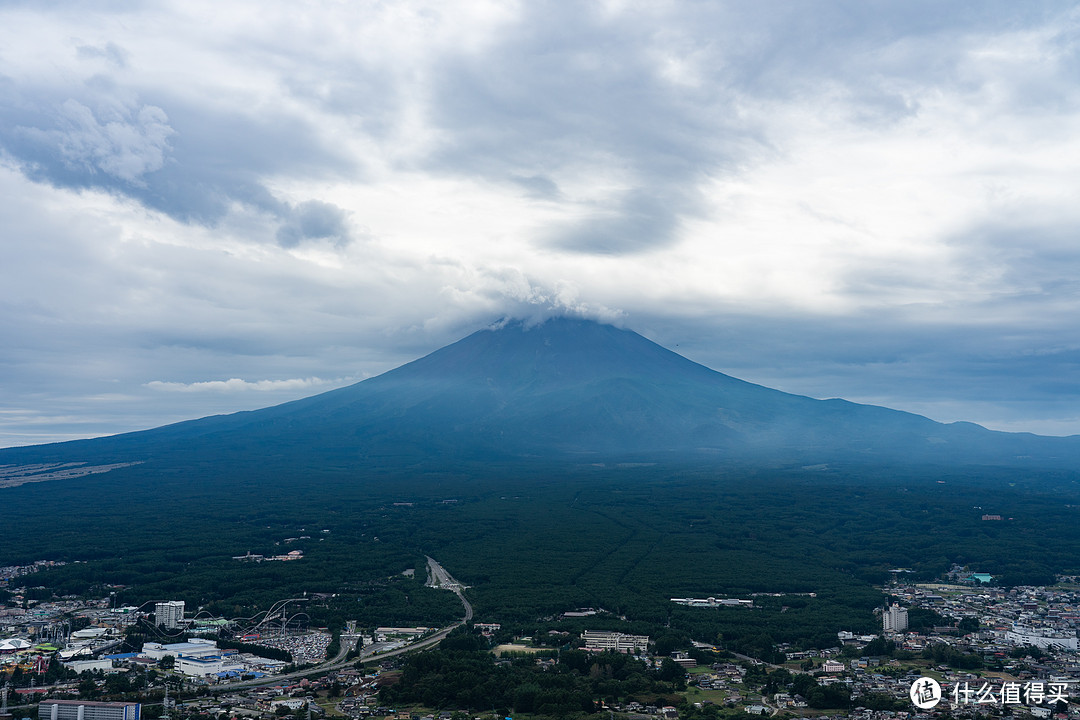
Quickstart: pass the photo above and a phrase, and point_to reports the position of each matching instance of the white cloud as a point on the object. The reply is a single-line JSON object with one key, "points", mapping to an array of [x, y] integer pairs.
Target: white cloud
{"points": [[127, 143], [233, 385], [129, 146]]}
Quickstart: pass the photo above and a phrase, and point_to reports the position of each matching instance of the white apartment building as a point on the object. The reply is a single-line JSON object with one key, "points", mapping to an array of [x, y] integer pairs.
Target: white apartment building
{"points": [[895, 619], [170, 614]]}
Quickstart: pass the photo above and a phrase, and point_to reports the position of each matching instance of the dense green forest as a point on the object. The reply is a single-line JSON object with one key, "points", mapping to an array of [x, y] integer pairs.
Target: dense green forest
{"points": [[461, 673], [534, 541]]}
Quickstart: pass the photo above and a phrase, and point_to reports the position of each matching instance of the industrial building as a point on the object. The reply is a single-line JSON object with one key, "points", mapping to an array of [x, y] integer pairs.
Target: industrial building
{"points": [[1041, 637], [196, 657], [81, 666], [195, 648], [86, 710], [213, 665], [617, 642]]}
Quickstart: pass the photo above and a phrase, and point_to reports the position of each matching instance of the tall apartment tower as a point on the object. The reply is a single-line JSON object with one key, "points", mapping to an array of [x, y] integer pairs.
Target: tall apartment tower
{"points": [[894, 619], [170, 614]]}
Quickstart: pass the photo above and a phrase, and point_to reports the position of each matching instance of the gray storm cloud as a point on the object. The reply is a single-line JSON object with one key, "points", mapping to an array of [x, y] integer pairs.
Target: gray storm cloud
{"points": [[313, 220], [127, 145]]}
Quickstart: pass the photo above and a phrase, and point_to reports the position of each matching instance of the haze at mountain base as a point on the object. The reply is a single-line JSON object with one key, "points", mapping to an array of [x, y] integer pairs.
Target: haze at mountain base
{"points": [[566, 389]]}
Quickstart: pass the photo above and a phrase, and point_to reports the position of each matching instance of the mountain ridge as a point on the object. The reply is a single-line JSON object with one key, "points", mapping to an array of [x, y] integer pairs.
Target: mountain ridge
{"points": [[571, 388]]}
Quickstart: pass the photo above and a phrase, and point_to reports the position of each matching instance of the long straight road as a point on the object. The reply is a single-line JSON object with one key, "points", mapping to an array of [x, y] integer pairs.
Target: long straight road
{"points": [[439, 578]]}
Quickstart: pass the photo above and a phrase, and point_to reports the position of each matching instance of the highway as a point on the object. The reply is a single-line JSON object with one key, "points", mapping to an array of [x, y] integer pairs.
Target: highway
{"points": [[437, 577]]}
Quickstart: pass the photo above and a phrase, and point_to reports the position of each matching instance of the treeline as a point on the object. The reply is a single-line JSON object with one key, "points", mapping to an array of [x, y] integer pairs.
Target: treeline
{"points": [[939, 653], [259, 650], [55, 672], [943, 654], [335, 644], [461, 674], [817, 696]]}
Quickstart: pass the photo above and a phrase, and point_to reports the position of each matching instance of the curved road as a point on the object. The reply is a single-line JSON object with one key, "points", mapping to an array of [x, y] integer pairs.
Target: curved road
{"points": [[437, 577]]}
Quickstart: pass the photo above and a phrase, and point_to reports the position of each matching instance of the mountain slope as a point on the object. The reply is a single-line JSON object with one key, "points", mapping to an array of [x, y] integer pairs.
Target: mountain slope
{"points": [[568, 389]]}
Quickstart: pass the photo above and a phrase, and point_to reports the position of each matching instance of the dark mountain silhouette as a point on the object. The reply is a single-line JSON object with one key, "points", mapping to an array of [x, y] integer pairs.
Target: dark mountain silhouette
{"points": [[565, 389]]}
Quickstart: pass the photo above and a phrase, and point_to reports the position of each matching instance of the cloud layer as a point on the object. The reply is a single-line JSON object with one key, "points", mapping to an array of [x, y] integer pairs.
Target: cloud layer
{"points": [[868, 200]]}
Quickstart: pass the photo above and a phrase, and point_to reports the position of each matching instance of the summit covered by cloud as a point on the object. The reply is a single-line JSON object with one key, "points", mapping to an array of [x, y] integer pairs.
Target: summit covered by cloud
{"points": [[867, 200]]}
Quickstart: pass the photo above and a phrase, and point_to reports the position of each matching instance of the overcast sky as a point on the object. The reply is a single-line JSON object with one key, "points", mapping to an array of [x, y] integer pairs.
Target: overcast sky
{"points": [[208, 207]]}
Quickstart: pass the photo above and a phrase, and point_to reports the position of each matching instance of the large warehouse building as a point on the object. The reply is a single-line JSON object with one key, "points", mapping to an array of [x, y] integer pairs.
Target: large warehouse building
{"points": [[86, 710]]}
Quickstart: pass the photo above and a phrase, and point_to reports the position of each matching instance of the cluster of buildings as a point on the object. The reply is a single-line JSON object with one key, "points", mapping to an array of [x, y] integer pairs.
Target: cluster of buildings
{"points": [[357, 689], [615, 642], [31, 636], [284, 557], [964, 694], [360, 690], [10, 572], [863, 677], [196, 658], [967, 576], [713, 602], [1034, 617], [723, 676], [1046, 618], [488, 629], [203, 658]]}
